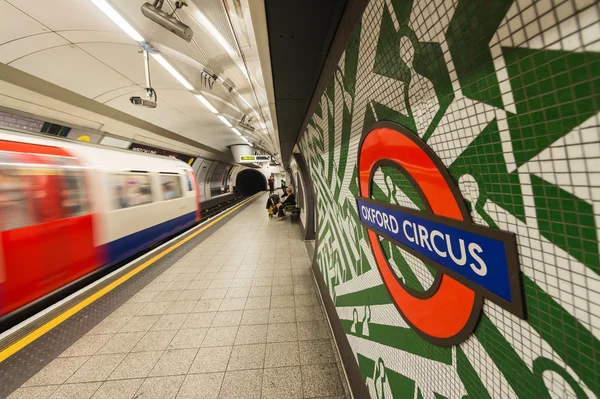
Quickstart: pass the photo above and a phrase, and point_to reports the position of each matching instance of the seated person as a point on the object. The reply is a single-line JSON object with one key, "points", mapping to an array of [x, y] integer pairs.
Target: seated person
{"points": [[290, 199]]}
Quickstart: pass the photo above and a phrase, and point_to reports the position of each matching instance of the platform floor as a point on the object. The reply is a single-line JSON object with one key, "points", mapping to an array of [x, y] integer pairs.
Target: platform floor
{"points": [[237, 317]]}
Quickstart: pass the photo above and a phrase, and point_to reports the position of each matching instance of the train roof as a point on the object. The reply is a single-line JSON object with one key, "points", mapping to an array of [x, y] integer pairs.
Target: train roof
{"points": [[99, 156]]}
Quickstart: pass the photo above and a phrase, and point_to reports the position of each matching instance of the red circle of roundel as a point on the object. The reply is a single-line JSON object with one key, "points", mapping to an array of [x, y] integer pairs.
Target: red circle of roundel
{"points": [[450, 313]]}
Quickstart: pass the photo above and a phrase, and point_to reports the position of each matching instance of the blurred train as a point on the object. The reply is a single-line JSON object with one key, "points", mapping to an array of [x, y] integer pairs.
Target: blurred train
{"points": [[68, 209]]}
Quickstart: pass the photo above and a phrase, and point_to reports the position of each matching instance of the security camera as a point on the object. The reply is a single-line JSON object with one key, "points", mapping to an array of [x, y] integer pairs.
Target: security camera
{"points": [[144, 102], [169, 22]]}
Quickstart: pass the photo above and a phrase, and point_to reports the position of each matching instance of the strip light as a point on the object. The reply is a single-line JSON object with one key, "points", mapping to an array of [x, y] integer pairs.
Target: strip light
{"points": [[111, 13], [236, 131], [225, 121], [206, 103], [165, 64]]}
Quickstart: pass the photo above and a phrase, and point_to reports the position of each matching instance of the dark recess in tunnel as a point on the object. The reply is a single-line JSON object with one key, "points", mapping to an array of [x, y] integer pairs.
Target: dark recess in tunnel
{"points": [[250, 182]]}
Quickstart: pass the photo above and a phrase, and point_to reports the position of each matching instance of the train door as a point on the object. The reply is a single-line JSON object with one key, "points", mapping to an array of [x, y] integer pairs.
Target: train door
{"points": [[46, 237]]}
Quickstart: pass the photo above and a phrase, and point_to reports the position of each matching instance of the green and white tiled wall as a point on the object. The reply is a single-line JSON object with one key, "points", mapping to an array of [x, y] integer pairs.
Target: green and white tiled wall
{"points": [[507, 94]]}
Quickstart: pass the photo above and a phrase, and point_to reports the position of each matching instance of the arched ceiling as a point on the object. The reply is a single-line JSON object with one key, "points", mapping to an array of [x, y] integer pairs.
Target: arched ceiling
{"points": [[75, 45]]}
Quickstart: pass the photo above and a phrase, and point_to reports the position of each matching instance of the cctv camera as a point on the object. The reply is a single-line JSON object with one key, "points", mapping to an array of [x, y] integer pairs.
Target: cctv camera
{"points": [[156, 14], [143, 102]]}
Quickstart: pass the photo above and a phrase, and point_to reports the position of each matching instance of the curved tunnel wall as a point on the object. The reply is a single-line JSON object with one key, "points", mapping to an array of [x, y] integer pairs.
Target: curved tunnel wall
{"points": [[250, 181], [510, 107]]}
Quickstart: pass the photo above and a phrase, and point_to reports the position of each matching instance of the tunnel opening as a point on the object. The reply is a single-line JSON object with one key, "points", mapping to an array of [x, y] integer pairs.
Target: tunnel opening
{"points": [[250, 182]]}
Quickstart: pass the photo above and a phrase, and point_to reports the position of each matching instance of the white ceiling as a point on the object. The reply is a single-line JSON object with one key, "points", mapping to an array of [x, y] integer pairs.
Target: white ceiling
{"points": [[71, 43]]}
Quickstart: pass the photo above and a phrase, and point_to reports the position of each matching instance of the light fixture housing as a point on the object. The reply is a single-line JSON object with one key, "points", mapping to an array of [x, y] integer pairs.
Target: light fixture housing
{"points": [[207, 104], [224, 120], [165, 64], [169, 22], [111, 13]]}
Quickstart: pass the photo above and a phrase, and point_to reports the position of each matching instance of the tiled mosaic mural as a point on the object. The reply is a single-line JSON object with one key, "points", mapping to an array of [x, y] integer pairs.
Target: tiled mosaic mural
{"points": [[507, 93]]}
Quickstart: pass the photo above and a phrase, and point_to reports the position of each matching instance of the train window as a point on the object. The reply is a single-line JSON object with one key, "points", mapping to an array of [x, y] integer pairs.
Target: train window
{"points": [[189, 182], [171, 186], [130, 190], [72, 194], [14, 207]]}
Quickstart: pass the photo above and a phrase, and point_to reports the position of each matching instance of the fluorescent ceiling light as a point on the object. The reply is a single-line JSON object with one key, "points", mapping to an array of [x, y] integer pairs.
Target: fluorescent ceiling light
{"points": [[245, 139], [250, 144], [225, 121], [236, 131], [165, 64], [110, 12], [206, 103]]}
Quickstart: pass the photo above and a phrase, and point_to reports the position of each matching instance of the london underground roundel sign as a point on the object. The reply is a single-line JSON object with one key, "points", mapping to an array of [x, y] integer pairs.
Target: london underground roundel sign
{"points": [[472, 262]]}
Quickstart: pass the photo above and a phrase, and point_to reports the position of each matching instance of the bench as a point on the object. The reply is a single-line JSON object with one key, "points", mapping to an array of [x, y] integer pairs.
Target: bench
{"points": [[293, 210]]}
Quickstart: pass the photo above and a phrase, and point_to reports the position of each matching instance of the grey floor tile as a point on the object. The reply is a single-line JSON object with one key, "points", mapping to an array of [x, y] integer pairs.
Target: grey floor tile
{"points": [[306, 300], [160, 387], [174, 362], [184, 307], [318, 329], [228, 318], [140, 323], [121, 343], [233, 304], [241, 282], [199, 320], [129, 309], [198, 285], [167, 296], [263, 302], [97, 368], [87, 345], [309, 313], [255, 316], [251, 334], [220, 336], [135, 365], [238, 292], [282, 315], [316, 352], [246, 357], [285, 382], [155, 341], [110, 325], [214, 293], [143, 296], [282, 332], [119, 389], [188, 338], [169, 322], [282, 354], [42, 392], [210, 360], [220, 283], [191, 295], [207, 305], [321, 380], [244, 384], [258, 291], [282, 301], [84, 390], [201, 386], [154, 308], [282, 289], [57, 371], [177, 285]]}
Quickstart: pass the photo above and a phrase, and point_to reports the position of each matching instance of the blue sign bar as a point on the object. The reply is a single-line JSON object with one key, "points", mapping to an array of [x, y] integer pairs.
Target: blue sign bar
{"points": [[478, 258]]}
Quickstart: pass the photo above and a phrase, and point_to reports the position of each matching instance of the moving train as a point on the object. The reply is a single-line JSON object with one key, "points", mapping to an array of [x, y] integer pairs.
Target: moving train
{"points": [[68, 209]]}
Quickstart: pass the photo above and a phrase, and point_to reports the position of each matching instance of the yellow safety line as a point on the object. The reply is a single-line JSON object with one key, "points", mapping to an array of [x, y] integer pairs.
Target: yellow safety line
{"points": [[29, 338]]}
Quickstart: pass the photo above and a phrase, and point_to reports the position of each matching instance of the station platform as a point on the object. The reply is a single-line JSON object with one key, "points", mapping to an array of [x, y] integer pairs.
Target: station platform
{"points": [[228, 310]]}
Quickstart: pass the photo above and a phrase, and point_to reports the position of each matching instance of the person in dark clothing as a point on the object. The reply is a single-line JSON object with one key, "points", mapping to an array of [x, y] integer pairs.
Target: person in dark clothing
{"points": [[283, 185], [289, 200], [272, 202], [271, 185]]}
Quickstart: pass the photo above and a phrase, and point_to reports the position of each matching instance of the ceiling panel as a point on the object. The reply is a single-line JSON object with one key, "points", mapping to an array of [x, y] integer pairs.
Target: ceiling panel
{"points": [[20, 24], [86, 36], [61, 15], [73, 69], [18, 48]]}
